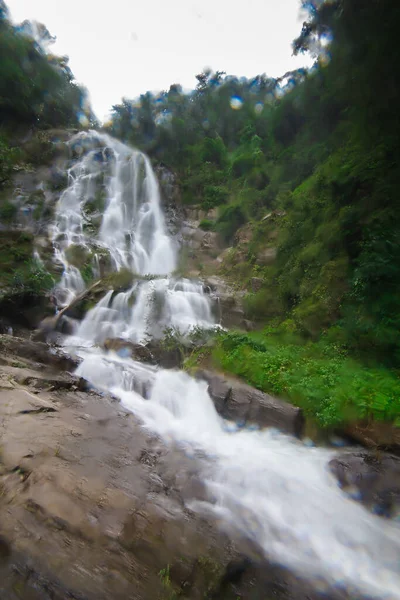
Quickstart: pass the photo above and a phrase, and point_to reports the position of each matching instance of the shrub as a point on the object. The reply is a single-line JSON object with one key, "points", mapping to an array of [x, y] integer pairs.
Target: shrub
{"points": [[32, 278], [230, 219], [263, 304], [8, 211], [206, 224]]}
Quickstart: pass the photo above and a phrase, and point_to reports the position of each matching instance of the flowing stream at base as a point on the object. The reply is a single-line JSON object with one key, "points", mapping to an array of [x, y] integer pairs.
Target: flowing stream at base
{"points": [[263, 485]]}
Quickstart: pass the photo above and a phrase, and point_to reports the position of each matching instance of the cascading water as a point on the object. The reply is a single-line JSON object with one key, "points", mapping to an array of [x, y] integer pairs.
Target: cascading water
{"points": [[119, 183], [262, 484]]}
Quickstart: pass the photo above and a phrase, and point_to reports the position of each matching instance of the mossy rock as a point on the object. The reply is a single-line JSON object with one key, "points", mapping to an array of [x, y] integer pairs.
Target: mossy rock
{"points": [[77, 255], [58, 180], [97, 203], [120, 280]]}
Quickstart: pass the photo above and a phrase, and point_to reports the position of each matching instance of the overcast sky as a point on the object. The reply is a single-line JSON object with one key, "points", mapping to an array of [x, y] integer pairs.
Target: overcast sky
{"points": [[125, 47]]}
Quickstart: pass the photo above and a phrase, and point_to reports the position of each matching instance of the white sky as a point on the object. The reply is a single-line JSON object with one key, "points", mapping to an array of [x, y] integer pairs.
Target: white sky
{"points": [[125, 47]]}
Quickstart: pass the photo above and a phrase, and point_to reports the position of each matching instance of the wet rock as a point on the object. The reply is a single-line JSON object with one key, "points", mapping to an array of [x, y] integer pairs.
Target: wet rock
{"points": [[219, 388], [248, 325], [47, 326], [5, 550], [125, 347], [168, 358], [92, 507], [267, 257], [153, 352], [231, 310], [224, 255], [370, 478], [239, 402], [84, 518], [375, 434], [256, 284], [210, 241], [43, 380], [37, 351], [6, 327], [230, 307]]}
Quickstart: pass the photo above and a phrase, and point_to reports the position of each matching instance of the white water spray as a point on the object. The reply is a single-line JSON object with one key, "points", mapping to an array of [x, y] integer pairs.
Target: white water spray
{"points": [[263, 485]]}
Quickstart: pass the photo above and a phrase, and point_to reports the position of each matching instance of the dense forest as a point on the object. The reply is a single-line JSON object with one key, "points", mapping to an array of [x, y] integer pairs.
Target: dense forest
{"points": [[320, 145]]}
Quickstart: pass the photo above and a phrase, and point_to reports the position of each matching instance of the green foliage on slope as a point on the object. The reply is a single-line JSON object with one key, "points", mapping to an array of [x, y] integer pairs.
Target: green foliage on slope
{"points": [[321, 377], [321, 148]]}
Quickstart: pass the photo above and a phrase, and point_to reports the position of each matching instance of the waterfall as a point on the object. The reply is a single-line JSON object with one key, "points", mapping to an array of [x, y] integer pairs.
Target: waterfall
{"points": [[263, 485], [120, 185]]}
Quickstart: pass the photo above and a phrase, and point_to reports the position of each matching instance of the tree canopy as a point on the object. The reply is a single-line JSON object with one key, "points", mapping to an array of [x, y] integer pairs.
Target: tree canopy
{"points": [[36, 87]]}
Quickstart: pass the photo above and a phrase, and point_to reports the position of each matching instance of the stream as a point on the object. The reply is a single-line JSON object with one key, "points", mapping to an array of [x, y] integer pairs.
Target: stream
{"points": [[263, 485]]}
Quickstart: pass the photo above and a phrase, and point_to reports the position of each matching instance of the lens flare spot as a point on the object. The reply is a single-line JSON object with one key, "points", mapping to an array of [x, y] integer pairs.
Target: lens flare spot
{"points": [[83, 120], [258, 108], [236, 102]]}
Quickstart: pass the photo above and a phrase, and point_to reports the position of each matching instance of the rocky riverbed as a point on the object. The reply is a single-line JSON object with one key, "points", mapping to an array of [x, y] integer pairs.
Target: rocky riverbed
{"points": [[93, 505]]}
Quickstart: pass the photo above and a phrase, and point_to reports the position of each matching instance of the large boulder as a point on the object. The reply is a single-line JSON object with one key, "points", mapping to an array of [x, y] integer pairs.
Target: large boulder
{"points": [[242, 403], [38, 352], [373, 434], [125, 348], [229, 301], [153, 352], [370, 478], [267, 257]]}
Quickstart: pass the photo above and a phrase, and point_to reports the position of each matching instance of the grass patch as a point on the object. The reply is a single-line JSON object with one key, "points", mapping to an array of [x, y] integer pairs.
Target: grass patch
{"points": [[320, 377]]}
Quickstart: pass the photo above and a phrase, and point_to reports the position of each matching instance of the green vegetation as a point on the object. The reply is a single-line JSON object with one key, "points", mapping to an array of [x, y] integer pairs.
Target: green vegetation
{"points": [[20, 273], [302, 176], [321, 377], [304, 173], [78, 256], [168, 589], [37, 88], [320, 149], [206, 224], [8, 157], [8, 212], [32, 279], [37, 92]]}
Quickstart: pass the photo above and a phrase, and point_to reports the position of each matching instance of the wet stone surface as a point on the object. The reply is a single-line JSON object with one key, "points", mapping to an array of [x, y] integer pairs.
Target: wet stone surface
{"points": [[93, 506]]}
